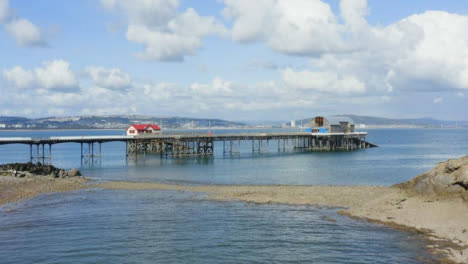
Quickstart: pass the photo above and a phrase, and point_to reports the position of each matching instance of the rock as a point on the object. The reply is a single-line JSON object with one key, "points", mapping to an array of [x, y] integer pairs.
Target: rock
{"points": [[449, 177], [74, 173], [38, 169]]}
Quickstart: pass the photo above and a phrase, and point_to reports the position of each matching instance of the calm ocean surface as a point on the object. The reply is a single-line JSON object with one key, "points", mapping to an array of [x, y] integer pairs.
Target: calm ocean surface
{"points": [[107, 226]]}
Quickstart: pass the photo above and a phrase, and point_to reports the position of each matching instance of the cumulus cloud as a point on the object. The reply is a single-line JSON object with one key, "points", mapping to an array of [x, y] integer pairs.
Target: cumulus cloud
{"points": [[437, 56], [423, 52], [113, 78], [330, 82], [19, 77], [297, 27], [56, 75], [438, 100], [23, 30], [53, 75], [166, 34], [218, 87]]}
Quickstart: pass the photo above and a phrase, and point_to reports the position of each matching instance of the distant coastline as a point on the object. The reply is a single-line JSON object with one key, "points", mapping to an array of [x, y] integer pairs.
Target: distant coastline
{"points": [[116, 122], [369, 127]]}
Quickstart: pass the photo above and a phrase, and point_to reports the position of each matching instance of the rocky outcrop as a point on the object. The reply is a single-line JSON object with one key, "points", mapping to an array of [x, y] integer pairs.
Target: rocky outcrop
{"points": [[447, 178], [37, 169]]}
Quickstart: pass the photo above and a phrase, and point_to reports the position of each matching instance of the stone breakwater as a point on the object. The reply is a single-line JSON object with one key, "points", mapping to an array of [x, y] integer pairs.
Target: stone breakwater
{"points": [[36, 169]]}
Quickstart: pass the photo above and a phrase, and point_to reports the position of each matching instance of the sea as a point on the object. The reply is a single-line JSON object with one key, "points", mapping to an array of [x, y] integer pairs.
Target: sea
{"points": [[118, 226]]}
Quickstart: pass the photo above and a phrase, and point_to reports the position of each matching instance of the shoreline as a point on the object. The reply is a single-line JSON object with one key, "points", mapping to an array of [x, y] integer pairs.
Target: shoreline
{"points": [[14, 189], [445, 230]]}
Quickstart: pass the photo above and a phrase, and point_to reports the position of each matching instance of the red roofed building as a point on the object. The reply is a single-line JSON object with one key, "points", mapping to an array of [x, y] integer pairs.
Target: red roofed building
{"points": [[143, 129]]}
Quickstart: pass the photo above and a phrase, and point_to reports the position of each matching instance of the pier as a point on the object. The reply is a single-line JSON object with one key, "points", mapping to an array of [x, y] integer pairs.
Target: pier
{"points": [[185, 145]]}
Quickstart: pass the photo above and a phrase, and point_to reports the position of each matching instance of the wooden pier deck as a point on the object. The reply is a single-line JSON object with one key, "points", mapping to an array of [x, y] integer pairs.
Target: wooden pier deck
{"points": [[179, 145]]}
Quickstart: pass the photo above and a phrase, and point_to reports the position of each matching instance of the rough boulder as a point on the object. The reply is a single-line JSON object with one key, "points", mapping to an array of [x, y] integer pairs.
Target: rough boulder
{"points": [[36, 169], [447, 178]]}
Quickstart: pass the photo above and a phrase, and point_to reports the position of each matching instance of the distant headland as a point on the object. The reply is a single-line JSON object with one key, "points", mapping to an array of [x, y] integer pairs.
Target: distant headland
{"points": [[175, 122]]}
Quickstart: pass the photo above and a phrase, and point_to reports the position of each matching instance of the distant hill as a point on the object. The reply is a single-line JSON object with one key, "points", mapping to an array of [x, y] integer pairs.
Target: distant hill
{"points": [[417, 122], [392, 122], [110, 122]]}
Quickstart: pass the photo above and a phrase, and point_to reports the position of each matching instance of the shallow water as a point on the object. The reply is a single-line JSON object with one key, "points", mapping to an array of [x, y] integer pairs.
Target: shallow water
{"points": [[115, 226], [173, 227], [403, 154]]}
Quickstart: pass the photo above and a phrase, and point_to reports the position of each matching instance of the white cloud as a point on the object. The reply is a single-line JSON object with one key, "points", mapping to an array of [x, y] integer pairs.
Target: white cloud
{"points": [[423, 52], [109, 78], [159, 91], [461, 95], [25, 32], [144, 12], [54, 75], [322, 82], [4, 10], [218, 87], [354, 12], [438, 100], [166, 34], [437, 55], [162, 46], [298, 27], [19, 77]]}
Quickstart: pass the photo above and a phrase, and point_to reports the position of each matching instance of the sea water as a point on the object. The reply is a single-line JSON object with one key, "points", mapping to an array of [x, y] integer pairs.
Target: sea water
{"points": [[116, 226]]}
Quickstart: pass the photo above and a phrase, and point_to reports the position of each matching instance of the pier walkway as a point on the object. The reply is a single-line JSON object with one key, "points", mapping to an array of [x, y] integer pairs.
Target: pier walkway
{"points": [[178, 145]]}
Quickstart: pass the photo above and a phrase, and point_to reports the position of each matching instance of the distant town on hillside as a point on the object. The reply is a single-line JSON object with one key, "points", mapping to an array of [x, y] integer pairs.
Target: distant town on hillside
{"points": [[122, 121]]}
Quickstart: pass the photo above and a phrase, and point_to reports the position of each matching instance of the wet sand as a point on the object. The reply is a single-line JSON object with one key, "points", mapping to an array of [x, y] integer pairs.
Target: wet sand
{"points": [[13, 189], [443, 220]]}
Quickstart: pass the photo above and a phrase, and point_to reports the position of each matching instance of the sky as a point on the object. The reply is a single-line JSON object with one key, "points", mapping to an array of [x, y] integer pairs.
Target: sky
{"points": [[234, 59]]}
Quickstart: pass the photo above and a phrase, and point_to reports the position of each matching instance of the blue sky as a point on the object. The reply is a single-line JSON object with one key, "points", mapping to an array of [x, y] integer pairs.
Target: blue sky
{"points": [[234, 59]]}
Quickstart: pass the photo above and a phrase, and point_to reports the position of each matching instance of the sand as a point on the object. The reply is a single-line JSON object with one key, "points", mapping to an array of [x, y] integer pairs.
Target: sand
{"points": [[443, 220], [13, 189]]}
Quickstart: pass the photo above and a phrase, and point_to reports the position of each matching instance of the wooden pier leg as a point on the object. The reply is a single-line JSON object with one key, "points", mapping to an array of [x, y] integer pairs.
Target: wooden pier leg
{"points": [[279, 149], [30, 153]]}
